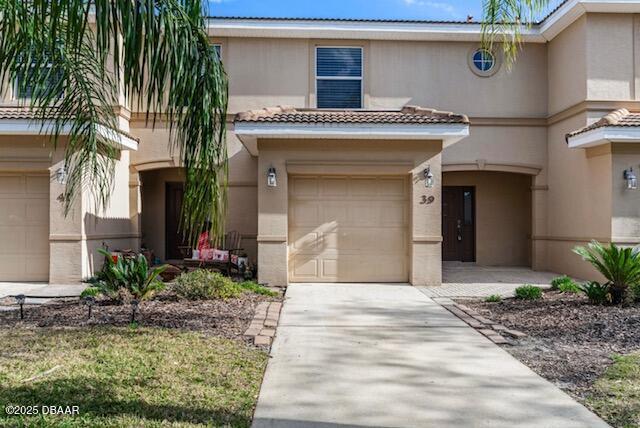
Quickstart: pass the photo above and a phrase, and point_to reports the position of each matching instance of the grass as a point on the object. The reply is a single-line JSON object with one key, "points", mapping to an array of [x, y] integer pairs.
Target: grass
{"points": [[143, 377], [528, 292], [494, 298], [616, 395], [256, 288]]}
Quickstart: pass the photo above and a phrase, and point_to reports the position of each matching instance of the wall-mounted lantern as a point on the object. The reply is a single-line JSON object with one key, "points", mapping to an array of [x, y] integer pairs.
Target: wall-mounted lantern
{"points": [[61, 175], [630, 177], [428, 177], [271, 177]]}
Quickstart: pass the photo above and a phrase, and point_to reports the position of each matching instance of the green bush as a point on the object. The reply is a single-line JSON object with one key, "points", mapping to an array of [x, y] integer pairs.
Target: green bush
{"points": [[494, 298], [620, 266], [528, 292], [565, 284], [598, 294], [254, 287], [127, 273], [202, 284]]}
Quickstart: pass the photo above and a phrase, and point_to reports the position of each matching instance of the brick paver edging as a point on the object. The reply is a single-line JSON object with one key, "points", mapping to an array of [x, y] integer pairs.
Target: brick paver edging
{"points": [[491, 329], [263, 326]]}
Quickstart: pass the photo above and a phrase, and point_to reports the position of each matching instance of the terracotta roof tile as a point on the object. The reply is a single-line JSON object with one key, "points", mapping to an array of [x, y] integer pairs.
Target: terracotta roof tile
{"points": [[617, 118], [25, 113], [408, 115], [21, 113]]}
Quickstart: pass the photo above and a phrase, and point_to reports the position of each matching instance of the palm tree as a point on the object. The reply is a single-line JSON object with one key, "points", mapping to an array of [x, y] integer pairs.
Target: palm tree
{"points": [[78, 57], [504, 20]]}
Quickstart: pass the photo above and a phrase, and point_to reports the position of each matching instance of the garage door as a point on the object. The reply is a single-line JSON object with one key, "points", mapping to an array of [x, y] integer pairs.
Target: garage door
{"points": [[348, 229], [24, 227]]}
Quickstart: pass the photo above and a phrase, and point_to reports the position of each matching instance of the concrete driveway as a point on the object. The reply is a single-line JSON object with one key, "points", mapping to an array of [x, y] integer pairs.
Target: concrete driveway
{"points": [[366, 355]]}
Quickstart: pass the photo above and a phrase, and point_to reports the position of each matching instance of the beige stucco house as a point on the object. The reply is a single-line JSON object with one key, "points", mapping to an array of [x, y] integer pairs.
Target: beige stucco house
{"points": [[498, 167]]}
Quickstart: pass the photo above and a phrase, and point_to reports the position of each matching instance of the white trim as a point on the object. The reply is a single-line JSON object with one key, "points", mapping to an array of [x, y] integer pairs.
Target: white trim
{"points": [[249, 133], [301, 28], [31, 127], [604, 135], [347, 30]]}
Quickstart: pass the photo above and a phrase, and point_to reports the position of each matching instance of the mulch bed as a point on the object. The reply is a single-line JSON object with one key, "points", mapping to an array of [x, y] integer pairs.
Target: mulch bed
{"points": [[226, 318], [570, 342]]}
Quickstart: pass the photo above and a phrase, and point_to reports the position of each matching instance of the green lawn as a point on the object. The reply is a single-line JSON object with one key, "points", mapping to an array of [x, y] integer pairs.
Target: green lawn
{"points": [[616, 395], [129, 377]]}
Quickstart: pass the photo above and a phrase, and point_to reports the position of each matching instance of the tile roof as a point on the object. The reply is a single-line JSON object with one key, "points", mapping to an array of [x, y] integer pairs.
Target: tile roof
{"points": [[470, 21], [382, 20], [26, 113], [617, 118], [20, 113], [408, 115]]}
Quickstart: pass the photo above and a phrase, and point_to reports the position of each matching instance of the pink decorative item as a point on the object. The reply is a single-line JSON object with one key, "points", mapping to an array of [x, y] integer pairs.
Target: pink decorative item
{"points": [[220, 255], [207, 254]]}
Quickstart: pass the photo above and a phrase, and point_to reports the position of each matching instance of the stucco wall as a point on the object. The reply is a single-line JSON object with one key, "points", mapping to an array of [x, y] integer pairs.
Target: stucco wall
{"points": [[567, 67], [579, 199], [436, 74], [625, 222], [503, 215], [610, 56], [349, 157]]}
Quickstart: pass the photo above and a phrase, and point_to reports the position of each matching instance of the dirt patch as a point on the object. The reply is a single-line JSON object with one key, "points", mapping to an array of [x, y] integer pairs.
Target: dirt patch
{"points": [[226, 318], [570, 342]]}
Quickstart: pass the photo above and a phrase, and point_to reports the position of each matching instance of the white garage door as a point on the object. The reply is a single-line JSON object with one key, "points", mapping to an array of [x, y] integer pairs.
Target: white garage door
{"points": [[348, 229], [24, 227]]}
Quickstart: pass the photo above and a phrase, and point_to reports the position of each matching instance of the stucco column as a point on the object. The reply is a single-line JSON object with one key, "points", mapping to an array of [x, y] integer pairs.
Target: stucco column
{"points": [[135, 204], [539, 192], [65, 232], [426, 221], [272, 221]]}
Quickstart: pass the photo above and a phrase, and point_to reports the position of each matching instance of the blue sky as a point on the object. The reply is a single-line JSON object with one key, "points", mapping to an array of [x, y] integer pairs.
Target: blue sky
{"points": [[389, 9]]}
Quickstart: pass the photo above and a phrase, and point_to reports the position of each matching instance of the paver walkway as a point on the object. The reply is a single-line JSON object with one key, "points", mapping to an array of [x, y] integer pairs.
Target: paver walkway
{"points": [[367, 355], [470, 280]]}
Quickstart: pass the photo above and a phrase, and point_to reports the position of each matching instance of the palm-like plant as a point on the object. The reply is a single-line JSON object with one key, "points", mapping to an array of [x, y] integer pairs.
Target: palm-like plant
{"points": [[620, 266], [131, 274], [504, 20], [80, 58]]}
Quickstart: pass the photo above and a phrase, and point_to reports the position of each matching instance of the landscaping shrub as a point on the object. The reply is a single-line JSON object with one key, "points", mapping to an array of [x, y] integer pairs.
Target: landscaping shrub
{"points": [[254, 287], [528, 292], [565, 284], [620, 266], [130, 274], [598, 294], [202, 284], [494, 298]]}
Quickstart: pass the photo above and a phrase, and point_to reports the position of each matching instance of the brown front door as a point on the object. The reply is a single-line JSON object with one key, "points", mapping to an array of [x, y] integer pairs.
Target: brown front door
{"points": [[458, 224], [174, 193]]}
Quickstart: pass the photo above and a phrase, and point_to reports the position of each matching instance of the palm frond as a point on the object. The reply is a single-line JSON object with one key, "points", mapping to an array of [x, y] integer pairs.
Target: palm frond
{"points": [[503, 22], [155, 52]]}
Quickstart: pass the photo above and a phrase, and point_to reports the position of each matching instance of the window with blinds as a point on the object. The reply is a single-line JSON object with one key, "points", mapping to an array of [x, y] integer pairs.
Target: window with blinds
{"points": [[339, 77]]}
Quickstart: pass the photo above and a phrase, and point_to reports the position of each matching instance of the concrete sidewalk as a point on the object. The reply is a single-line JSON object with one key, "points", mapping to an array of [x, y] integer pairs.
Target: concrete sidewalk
{"points": [[43, 290], [367, 355]]}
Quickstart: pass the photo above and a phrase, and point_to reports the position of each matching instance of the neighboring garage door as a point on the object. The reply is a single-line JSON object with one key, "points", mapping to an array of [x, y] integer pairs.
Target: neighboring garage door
{"points": [[348, 229], [24, 227]]}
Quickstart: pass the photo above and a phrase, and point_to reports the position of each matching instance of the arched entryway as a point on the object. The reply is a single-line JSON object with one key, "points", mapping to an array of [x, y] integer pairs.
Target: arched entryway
{"points": [[486, 217]]}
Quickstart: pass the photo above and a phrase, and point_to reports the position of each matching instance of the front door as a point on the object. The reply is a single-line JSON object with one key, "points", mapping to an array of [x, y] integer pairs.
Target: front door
{"points": [[174, 193], [458, 224]]}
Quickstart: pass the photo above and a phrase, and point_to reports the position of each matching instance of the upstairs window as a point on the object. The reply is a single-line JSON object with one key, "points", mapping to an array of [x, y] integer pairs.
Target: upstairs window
{"points": [[339, 77], [218, 51], [24, 90]]}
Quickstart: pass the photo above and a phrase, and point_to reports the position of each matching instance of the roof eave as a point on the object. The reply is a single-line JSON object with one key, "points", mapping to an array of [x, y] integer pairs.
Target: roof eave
{"points": [[565, 15], [604, 135], [31, 127], [250, 132]]}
